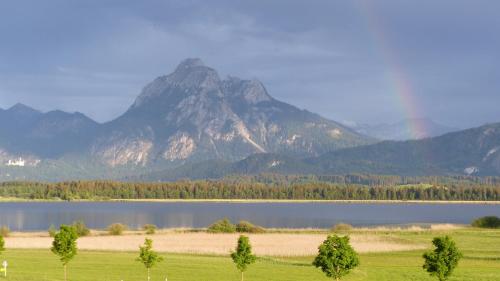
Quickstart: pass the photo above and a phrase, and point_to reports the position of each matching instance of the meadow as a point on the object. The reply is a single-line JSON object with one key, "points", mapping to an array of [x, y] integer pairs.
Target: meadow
{"points": [[481, 249]]}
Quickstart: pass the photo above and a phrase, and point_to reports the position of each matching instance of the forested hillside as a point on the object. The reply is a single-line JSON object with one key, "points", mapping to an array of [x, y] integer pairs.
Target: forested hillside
{"points": [[351, 187]]}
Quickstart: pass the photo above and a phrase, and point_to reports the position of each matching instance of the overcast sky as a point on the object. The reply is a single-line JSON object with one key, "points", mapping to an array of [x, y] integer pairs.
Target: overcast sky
{"points": [[341, 59]]}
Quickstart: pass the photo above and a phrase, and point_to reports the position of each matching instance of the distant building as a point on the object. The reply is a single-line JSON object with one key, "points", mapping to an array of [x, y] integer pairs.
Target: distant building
{"points": [[19, 162]]}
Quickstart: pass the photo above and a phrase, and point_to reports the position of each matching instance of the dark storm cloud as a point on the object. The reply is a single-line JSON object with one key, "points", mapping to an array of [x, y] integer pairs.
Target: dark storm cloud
{"points": [[325, 56]]}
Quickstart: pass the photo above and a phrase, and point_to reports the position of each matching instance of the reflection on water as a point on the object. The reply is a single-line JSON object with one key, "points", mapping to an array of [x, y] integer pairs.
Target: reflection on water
{"points": [[40, 215]]}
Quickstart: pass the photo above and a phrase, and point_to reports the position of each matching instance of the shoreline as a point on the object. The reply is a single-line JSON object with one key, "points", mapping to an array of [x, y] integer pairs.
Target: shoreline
{"points": [[250, 201], [307, 201], [271, 230]]}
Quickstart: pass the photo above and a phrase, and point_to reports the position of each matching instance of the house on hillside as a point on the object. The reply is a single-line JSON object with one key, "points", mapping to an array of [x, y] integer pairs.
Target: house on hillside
{"points": [[19, 162]]}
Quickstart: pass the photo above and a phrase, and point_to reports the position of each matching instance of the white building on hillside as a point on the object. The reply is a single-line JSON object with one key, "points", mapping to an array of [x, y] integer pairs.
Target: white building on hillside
{"points": [[19, 162]]}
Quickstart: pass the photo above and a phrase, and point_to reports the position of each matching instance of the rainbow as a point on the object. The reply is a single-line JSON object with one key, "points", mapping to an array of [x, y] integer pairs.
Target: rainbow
{"points": [[397, 77]]}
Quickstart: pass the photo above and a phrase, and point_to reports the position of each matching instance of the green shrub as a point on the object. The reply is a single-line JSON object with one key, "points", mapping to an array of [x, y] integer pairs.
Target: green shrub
{"points": [[4, 231], [248, 227], [342, 228], [116, 229], [150, 228], [222, 226], [52, 230], [81, 228], [487, 222]]}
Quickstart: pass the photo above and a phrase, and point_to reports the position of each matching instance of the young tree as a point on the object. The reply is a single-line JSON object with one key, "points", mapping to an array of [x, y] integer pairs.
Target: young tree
{"points": [[336, 257], [64, 245], [147, 256], [443, 259], [2, 244], [243, 256]]}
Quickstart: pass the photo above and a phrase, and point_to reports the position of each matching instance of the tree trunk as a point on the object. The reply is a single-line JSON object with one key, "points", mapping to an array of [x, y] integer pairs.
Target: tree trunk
{"points": [[242, 276], [65, 273], [149, 277]]}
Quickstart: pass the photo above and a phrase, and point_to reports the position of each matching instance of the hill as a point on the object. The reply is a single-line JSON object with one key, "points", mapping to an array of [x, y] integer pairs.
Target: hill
{"points": [[469, 152]]}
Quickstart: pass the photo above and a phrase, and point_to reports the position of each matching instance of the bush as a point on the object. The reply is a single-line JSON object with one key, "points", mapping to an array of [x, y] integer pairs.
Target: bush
{"points": [[342, 227], [4, 231], [117, 229], [222, 226], [81, 228], [150, 228], [52, 230], [248, 227], [487, 222]]}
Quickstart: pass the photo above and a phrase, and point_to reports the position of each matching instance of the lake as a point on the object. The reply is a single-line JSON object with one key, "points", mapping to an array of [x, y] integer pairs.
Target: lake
{"points": [[32, 216]]}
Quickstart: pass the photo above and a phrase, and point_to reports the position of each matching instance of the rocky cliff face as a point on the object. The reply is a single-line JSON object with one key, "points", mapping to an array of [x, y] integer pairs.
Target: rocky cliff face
{"points": [[192, 114]]}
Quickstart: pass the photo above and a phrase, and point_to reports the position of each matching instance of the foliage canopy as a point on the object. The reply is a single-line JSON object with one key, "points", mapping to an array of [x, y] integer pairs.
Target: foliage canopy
{"points": [[64, 244], [147, 256], [336, 257], [242, 256], [2, 244], [443, 259]]}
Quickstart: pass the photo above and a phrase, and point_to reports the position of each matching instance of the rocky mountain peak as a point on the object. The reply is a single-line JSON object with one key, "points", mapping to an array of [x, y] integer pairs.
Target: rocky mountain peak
{"points": [[191, 76], [189, 63], [251, 91], [23, 109], [192, 73]]}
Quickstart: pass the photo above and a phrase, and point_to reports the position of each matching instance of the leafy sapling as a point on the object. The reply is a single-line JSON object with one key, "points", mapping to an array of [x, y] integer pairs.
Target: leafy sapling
{"points": [[148, 257], [336, 257], [2, 244], [242, 256], [64, 245], [443, 259]]}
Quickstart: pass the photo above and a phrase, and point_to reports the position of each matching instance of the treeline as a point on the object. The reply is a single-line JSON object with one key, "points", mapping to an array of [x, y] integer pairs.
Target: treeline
{"points": [[364, 179], [227, 189]]}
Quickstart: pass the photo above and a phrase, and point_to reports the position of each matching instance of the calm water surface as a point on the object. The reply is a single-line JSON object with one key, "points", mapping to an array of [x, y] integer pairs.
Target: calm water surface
{"points": [[29, 216]]}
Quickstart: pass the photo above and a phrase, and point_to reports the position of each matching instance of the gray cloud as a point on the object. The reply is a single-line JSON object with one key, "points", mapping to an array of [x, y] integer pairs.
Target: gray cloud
{"points": [[329, 57]]}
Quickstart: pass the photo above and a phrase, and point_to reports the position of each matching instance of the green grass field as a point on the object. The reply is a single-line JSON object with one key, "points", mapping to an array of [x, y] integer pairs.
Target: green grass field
{"points": [[481, 262]]}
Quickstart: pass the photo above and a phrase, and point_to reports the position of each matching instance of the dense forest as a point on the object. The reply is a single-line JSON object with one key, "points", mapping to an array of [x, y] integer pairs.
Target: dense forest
{"points": [[347, 187]]}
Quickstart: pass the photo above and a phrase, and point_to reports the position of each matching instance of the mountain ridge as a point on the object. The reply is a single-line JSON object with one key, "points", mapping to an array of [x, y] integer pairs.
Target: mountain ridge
{"points": [[193, 124], [186, 116], [471, 152]]}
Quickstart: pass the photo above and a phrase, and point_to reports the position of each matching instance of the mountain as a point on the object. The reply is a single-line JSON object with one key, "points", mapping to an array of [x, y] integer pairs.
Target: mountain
{"points": [[469, 152], [473, 151], [194, 115], [28, 133], [193, 124], [402, 130], [188, 116]]}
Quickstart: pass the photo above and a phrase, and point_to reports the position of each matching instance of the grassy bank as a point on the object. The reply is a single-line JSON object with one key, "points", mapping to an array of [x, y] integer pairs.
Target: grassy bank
{"points": [[481, 249], [38, 265]]}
